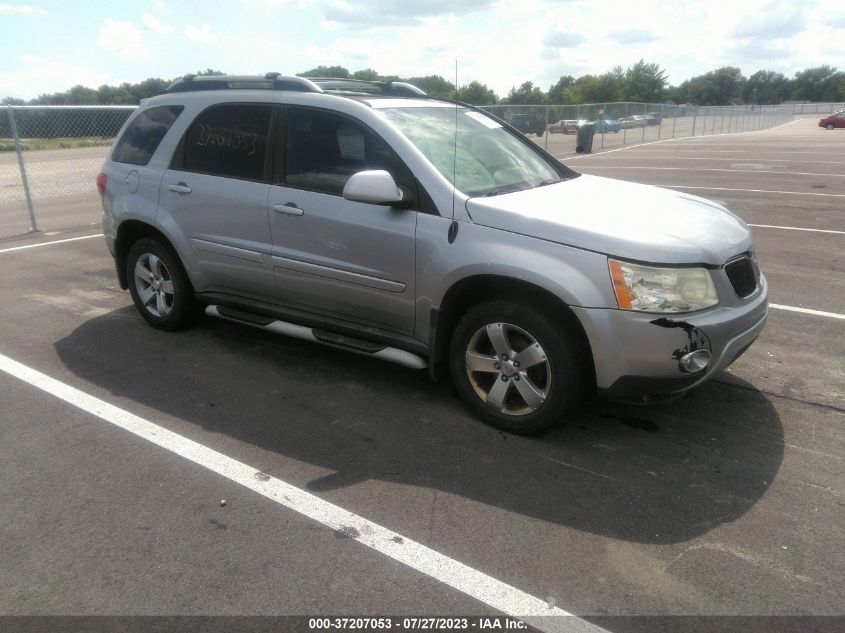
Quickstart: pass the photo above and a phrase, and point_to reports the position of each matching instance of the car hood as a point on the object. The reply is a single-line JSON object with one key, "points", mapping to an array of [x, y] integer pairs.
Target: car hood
{"points": [[619, 218]]}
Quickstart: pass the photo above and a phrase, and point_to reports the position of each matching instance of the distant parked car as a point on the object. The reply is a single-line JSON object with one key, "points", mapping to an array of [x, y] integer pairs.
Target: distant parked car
{"points": [[837, 119], [524, 124], [569, 126], [607, 125], [653, 118], [637, 120]]}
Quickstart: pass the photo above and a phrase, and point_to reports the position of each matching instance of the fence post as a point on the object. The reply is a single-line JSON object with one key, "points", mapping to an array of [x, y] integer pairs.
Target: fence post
{"points": [[625, 130], [694, 117], [546, 131], [660, 123], [13, 125], [604, 116], [645, 105]]}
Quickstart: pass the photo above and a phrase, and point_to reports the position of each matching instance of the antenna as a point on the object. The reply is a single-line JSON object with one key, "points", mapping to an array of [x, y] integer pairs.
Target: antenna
{"points": [[455, 154]]}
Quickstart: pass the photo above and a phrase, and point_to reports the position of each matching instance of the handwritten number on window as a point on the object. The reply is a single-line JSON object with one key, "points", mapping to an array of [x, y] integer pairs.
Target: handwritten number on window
{"points": [[224, 138]]}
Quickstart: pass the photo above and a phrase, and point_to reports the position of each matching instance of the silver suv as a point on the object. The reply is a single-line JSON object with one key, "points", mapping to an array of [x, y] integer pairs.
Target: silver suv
{"points": [[369, 217]]}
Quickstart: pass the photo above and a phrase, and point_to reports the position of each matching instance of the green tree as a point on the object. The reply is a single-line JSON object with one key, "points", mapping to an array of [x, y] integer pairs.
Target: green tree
{"points": [[596, 88], [115, 95], [557, 91], [526, 94], [434, 85], [645, 83], [718, 87], [368, 74], [336, 72], [766, 87], [476, 93], [821, 83]]}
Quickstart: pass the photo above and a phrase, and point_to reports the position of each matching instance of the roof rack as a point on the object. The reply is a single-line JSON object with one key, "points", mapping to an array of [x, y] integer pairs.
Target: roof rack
{"points": [[270, 81], [364, 87], [277, 81]]}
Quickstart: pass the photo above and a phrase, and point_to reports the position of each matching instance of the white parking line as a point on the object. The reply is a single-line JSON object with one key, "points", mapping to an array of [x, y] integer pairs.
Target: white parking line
{"points": [[832, 315], [689, 169], [792, 193], [492, 592], [756, 159], [70, 239], [796, 228], [730, 151]]}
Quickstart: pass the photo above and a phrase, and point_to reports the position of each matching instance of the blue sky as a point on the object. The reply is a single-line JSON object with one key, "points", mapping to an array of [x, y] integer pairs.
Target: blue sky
{"points": [[48, 46]]}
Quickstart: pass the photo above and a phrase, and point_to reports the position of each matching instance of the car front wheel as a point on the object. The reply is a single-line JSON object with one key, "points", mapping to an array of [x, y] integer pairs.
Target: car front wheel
{"points": [[520, 370], [830, 126]]}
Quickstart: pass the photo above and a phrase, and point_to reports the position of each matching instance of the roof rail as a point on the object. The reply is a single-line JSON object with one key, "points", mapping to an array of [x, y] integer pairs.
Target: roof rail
{"points": [[277, 81], [362, 86], [270, 81]]}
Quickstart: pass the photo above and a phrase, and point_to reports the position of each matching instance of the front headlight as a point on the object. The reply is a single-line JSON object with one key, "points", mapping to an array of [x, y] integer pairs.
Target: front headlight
{"points": [[648, 289]]}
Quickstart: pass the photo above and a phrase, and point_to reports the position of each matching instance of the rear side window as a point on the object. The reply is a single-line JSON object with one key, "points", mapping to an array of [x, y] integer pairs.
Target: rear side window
{"points": [[229, 141], [141, 139]]}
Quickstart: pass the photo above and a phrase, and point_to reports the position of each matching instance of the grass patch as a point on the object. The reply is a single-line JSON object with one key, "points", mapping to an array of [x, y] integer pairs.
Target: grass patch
{"points": [[34, 144]]}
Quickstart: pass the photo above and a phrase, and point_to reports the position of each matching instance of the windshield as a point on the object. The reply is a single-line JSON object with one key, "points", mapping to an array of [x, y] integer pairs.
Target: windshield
{"points": [[490, 160]]}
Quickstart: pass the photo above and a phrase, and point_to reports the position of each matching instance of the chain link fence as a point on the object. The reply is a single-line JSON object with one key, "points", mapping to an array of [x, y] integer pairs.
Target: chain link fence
{"points": [[555, 128], [49, 159], [50, 155]]}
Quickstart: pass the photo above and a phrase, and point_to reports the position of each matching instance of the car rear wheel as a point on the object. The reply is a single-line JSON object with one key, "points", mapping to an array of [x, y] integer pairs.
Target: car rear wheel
{"points": [[514, 370], [159, 286]]}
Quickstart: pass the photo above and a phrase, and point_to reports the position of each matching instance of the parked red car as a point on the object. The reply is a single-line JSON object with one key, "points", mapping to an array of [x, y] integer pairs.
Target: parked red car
{"points": [[837, 119]]}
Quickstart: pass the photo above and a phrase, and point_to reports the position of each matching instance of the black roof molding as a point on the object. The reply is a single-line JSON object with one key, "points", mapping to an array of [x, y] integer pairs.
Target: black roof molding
{"points": [[277, 81]]}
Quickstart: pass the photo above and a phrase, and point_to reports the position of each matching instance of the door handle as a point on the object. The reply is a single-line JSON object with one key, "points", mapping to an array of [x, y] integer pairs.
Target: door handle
{"points": [[288, 208], [179, 187]]}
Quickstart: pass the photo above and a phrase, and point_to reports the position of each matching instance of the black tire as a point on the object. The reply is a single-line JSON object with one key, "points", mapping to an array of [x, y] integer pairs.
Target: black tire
{"points": [[179, 308], [565, 366], [829, 126]]}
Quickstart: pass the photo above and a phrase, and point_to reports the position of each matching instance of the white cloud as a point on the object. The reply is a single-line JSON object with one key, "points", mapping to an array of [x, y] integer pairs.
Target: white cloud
{"points": [[633, 36], [35, 76], [156, 25], [20, 9], [564, 39], [124, 38], [203, 34], [773, 21], [380, 13]]}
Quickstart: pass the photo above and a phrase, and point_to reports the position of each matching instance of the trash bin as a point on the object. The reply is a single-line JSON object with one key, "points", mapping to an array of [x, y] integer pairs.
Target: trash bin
{"points": [[584, 140]]}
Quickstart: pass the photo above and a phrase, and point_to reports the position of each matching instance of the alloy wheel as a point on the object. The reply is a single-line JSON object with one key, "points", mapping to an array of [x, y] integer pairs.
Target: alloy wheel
{"points": [[508, 369]]}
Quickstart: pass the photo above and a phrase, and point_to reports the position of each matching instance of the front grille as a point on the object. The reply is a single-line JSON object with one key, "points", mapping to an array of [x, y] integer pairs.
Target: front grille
{"points": [[742, 273]]}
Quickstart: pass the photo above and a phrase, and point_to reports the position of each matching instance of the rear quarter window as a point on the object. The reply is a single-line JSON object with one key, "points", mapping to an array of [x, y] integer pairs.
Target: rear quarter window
{"points": [[141, 139]]}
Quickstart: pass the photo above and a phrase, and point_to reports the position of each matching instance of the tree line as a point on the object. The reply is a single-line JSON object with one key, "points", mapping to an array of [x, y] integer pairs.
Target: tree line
{"points": [[641, 82]]}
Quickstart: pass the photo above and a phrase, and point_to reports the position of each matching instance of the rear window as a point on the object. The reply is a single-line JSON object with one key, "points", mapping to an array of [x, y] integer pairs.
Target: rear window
{"points": [[141, 139]]}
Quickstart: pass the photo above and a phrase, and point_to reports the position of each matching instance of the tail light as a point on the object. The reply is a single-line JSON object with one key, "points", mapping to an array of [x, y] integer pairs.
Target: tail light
{"points": [[101, 186]]}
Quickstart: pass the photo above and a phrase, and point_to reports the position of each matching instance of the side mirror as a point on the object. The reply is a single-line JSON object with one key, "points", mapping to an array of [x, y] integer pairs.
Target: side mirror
{"points": [[374, 187]]}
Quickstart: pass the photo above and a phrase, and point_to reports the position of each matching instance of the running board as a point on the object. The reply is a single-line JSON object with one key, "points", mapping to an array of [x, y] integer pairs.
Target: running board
{"points": [[324, 337]]}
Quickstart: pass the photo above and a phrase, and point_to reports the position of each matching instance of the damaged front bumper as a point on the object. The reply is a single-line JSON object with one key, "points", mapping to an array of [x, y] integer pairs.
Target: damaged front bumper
{"points": [[642, 356]]}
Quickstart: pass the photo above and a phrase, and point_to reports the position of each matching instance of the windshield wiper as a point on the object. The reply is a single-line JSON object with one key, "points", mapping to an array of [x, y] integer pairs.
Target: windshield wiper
{"points": [[501, 190]]}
